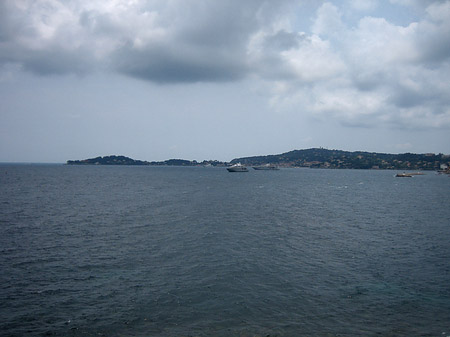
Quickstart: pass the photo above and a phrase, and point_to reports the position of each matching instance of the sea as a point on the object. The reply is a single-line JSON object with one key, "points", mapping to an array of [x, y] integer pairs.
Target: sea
{"points": [[199, 251]]}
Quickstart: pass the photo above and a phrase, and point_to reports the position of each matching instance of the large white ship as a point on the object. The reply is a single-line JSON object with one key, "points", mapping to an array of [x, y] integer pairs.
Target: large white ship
{"points": [[237, 168], [266, 167]]}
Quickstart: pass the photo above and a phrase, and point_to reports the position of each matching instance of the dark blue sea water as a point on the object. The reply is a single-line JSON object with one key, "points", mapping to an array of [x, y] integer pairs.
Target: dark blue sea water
{"points": [[167, 251]]}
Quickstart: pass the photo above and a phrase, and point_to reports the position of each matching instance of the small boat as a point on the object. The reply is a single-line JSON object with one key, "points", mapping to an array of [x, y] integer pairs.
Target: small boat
{"points": [[266, 167], [404, 175], [237, 168]]}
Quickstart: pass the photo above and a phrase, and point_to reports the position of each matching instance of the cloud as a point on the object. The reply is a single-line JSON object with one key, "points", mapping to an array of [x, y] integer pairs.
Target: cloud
{"points": [[363, 5], [154, 40], [206, 43], [365, 73], [328, 20], [166, 64], [433, 34], [43, 37], [375, 73]]}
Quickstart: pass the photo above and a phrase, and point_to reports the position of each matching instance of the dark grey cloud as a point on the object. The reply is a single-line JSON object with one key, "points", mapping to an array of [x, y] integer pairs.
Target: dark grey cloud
{"points": [[434, 47], [152, 40], [29, 40], [283, 40], [6, 31], [224, 24], [208, 43], [98, 24], [367, 80], [407, 98], [179, 64], [52, 61]]}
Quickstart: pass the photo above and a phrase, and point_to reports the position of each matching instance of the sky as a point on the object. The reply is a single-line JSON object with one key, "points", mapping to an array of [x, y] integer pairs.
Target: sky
{"points": [[207, 79]]}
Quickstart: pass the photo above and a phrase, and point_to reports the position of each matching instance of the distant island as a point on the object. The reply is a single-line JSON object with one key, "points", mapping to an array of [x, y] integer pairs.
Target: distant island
{"points": [[108, 160], [312, 158], [122, 160], [337, 159]]}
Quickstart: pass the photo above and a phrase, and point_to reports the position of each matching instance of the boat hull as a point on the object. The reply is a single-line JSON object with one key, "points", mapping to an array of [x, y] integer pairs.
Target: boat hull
{"points": [[237, 169], [265, 168]]}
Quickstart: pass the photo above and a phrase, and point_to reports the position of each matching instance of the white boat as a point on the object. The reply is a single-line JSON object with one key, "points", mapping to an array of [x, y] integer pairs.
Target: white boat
{"points": [[403, 175], [237, 168], [266, 167], [409, 175]]}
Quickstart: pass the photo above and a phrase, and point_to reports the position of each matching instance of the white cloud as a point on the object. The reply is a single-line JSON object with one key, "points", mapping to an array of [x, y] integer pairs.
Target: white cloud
{"points": [[376, 73], [378, 43], [314, 60], [328, 20]]}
